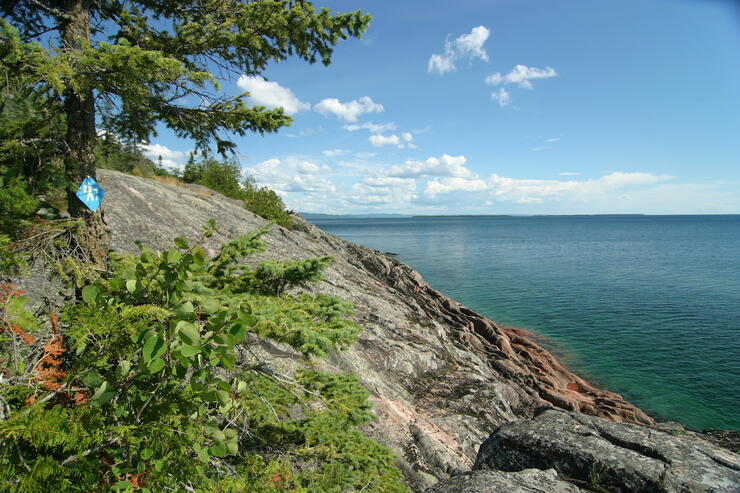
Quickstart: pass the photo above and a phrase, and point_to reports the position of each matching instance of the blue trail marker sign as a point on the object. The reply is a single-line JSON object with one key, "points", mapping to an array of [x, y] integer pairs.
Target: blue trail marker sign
{"points": [[90, 193]]}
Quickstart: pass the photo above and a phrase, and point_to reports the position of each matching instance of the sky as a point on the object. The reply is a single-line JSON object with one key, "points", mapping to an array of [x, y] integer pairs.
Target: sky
{"points": [[506, 107]]}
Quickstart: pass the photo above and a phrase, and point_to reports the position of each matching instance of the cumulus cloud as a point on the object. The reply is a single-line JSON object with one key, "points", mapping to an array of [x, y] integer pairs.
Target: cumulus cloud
{"points": [[521, 76], [452, 166], [378, 189], [465, 47], [271, 94], [291, 175], [567, 173], [502, 97], [528, 190], [403, 141], [376, 128], [348, 111], [454, 184], [170, 157]]}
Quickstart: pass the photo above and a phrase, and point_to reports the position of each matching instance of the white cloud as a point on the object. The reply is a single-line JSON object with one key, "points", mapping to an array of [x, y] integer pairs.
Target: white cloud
{"points": [[468, 46], [271, 94], [390, 181], [153, 151], [376, 128], [387, 190], [529, 190], [348, 111], [553, 139], [291, 175], [170, 158], [334, 152], [382, 140], [502, 97], [566, 173], [402, 142], [309, 168], [521, 75], [452, 166], [541, 148], [454, 184]]}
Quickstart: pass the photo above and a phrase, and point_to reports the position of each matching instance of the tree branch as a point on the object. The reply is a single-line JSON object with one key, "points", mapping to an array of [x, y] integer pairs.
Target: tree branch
{"points": [[92, 450]]}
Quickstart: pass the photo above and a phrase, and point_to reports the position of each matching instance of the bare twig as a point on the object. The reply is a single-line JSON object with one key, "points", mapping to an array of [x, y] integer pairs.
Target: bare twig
{"points": [[92, 450]]}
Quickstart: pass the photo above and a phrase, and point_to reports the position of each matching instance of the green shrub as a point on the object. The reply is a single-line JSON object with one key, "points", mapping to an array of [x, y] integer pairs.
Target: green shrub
{"points": [[139, 388], [225, 177], [265, 203], [17, 204]]}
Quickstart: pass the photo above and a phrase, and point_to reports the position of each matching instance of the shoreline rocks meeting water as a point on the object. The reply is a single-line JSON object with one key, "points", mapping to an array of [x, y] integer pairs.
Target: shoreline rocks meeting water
{"points": [[442, 377]]}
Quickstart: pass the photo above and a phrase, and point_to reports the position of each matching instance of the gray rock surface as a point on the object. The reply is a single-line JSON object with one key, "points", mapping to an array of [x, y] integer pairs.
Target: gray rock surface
{"points": [[441, 376], [526, 481], [611, 456]]}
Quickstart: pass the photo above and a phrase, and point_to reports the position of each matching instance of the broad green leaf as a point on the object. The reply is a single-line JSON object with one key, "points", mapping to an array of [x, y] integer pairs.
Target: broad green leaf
{"points": [[210, 305], [223, 397], [146, 453], [209, 396], [232, 448], [123, 368], [131, 285], [218, 449], [101, 395], [199, 255], [81, 348], [153, 348], [184, 310], [189, 351], [173, 255], [92, 379], [181, 242], [239, 332], [89, 293], [204, 456], [188, 333], [156, 365]]}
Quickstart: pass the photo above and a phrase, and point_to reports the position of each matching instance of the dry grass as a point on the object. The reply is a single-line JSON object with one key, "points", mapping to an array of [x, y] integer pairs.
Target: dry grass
{"points": [[169, 180]]}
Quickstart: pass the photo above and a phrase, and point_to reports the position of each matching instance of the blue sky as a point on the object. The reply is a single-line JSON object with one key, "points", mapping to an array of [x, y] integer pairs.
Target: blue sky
{"points": [[508, 107]]}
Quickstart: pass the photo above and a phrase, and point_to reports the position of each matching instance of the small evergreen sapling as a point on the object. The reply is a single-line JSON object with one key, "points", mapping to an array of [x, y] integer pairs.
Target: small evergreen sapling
{"points": [[143, 391]]}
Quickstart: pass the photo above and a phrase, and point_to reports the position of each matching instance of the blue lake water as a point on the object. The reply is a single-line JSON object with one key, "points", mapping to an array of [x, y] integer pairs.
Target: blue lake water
{"points": [[647, 306]]}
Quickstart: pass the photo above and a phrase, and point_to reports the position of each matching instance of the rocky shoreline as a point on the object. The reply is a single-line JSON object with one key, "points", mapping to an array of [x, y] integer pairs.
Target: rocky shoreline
{"points": [[442, 377]]}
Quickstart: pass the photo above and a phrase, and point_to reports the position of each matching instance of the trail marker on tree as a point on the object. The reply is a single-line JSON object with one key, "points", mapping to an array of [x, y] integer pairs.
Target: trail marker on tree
{"points": [[90, 193]]}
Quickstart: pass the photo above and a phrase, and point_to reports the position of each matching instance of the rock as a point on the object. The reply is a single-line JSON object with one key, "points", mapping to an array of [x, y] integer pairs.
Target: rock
{"points": [[612, 456], [441, 376], [729, 439], [526, 481]]}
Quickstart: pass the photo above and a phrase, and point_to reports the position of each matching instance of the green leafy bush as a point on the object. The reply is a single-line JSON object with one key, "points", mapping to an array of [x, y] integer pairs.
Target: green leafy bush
{"points": [[139, 388], [265, 203], [225, 178]]}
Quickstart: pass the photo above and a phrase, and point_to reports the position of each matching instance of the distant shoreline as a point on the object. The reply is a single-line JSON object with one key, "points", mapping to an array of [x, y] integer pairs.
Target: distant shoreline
{"points": [[309, 216]]}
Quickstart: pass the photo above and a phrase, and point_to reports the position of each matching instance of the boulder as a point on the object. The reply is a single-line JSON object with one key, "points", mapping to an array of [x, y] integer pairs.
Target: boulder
{"points": [[526, 481], [614, 457]]}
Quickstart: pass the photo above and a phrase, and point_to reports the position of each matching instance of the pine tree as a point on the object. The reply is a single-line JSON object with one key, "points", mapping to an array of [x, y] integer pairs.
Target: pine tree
{"points": [[130, 65]]}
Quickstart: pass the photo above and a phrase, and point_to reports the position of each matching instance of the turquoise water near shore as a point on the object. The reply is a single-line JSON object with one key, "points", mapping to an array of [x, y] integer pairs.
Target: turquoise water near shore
{"points": [[647, 306]]}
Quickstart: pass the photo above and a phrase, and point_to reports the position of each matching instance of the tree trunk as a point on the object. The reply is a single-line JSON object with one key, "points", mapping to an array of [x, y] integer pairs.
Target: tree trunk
{"points": [[79, 107]]}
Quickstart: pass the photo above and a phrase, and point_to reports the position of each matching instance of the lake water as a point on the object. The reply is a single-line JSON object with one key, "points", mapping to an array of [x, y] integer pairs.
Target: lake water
{"points": [[647, 306]]}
